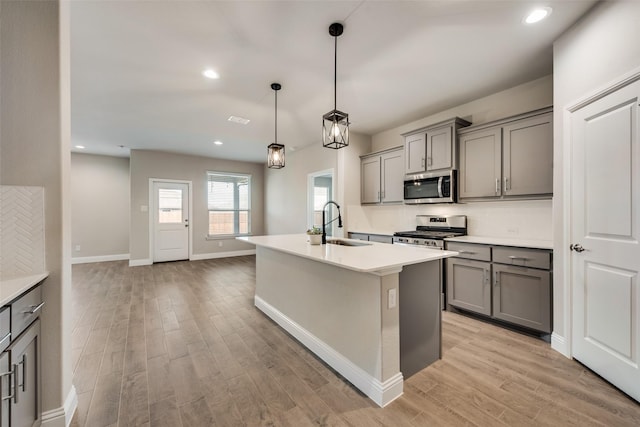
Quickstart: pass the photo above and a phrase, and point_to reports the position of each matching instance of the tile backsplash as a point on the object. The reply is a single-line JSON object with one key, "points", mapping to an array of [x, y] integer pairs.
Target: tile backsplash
{"points": [[528, 219], [21, 231]]}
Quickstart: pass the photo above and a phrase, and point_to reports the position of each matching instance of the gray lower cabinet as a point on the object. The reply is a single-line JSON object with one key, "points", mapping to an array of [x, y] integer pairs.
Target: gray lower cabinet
{"points": [[25, 361], [507, 283], [468, 285], [20, 385], [522, 296], [380, 238]]}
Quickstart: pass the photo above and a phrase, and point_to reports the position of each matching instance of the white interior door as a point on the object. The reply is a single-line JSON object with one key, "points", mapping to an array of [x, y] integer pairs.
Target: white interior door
{"points": [[171, 221], [605, 194]]}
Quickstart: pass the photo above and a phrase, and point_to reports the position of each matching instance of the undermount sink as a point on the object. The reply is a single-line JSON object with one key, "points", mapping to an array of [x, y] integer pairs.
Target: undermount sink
{"points": [[346, 243]]}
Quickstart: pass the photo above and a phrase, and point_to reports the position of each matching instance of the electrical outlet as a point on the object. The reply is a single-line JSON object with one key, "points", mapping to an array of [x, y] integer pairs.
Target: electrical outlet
{"points": [[391, 298], [513, 231], [77, 248]]}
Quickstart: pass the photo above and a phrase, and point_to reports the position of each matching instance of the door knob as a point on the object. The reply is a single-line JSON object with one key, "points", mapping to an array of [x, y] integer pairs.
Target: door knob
{"points": [[577, 247]]}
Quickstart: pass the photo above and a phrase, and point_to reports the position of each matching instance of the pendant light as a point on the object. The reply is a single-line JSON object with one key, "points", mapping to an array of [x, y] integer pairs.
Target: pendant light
{"points": [[275, 151], [335, 124]]}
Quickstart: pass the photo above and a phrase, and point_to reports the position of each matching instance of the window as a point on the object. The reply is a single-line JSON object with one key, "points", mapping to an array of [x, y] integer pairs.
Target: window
{"points": [[169, 206], [229, 203]]}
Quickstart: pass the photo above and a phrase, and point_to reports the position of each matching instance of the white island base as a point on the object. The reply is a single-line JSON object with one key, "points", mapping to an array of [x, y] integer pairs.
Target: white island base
{"points": [[348, 317]]}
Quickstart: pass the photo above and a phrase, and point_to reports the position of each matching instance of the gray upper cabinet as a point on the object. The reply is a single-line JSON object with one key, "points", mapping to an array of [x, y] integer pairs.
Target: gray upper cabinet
{"points": [[439, 149], [480, 163], [510, 158], [528, 156], [432, 148], [415, 153], [382, 176]]}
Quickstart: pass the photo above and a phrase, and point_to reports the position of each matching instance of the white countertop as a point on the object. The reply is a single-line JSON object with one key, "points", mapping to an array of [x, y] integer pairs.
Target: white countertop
{"points": [[13, 288], [374, 257], [503, 241], [376, 232]]}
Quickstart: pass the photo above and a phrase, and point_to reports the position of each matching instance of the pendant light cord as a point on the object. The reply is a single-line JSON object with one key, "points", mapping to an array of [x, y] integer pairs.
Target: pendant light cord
{"points": [[276, 123], [335, 73]]}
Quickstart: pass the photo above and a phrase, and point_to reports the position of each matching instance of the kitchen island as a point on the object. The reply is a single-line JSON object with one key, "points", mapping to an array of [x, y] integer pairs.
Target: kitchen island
{"points": [[371, 311]]}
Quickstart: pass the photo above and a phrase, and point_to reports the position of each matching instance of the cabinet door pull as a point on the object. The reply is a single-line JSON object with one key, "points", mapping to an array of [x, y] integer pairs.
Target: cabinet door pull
{"points": [[23, 362], [507, 184], [422, 163], [10, 396], [496, 280], [15, 383], [6, 337], [33, 308], [467, 252], [513, 258], [429, 161], [3, 398], [497, 185]]}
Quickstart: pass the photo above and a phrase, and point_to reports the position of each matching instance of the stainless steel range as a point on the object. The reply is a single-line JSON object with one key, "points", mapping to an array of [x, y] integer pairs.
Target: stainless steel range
{"points": [[431, 231]]}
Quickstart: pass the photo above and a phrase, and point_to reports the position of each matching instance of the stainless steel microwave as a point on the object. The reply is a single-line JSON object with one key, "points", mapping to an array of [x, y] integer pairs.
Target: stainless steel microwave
{"points": [[431, 188]]}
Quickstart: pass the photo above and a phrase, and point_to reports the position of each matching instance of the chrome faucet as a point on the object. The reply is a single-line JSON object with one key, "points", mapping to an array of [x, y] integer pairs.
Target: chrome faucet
{"points": [[324, 223]]}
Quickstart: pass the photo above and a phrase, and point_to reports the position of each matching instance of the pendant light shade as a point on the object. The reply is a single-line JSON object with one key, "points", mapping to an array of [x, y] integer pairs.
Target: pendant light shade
{"points": [[275, 151], [335, 124]]}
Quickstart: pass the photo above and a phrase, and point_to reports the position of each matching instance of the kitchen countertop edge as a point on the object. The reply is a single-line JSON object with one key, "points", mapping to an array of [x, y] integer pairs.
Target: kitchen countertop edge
{"points": [[374, 258], [13, 288]]}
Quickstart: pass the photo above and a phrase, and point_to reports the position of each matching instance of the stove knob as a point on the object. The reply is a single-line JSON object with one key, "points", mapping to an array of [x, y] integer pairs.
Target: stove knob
{"points": [[416, 241]]}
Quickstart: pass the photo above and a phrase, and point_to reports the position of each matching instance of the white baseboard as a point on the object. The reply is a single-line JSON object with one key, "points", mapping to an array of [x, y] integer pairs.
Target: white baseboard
{"points": [[198, 257], [61, 417], [559, 344], [103, 258], [381, 393], [139, 262]]}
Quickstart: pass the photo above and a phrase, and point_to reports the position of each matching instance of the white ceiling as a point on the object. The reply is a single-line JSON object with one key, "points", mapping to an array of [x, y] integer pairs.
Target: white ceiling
{"points": [[136, 67]]}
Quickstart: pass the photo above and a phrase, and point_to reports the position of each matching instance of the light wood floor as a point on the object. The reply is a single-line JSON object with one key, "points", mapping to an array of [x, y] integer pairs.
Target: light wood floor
{"points": [[181, 344]]}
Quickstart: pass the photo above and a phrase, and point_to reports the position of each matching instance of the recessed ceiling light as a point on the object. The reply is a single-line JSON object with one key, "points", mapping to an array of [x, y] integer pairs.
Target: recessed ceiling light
{"points": [[211, 74], [537, 15], [217, 142], [80, 147], [236, 119]]}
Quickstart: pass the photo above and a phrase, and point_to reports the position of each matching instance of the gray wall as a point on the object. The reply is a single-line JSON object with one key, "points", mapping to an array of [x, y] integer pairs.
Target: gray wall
{"points": [[34, 141], [286, 189], [145, 165], [598, 50], [99, 207]]}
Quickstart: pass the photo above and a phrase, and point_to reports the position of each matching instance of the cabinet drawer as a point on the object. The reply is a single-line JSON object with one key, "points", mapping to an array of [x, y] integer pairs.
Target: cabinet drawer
{"points": [[380, 238], [470, 251], [5, 328], [25, 310], [522, 257]]}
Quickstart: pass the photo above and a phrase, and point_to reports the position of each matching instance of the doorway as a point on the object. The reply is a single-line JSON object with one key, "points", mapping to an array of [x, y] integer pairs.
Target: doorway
{"points": [[170, 221], [320, 191]]}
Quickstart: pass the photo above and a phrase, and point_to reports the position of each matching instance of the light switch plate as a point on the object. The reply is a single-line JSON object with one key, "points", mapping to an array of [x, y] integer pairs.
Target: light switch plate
{"points": [[391, 298]]}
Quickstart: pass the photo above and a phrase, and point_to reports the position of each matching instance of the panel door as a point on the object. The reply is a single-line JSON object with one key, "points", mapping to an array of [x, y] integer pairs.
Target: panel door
{"points": [[605, 183], [171, 221], [481, 163], [370, 180], [392, 177], [522, 296], [439, 149], [25, 359], [415, 153], [468, 285], [528, 156]]}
